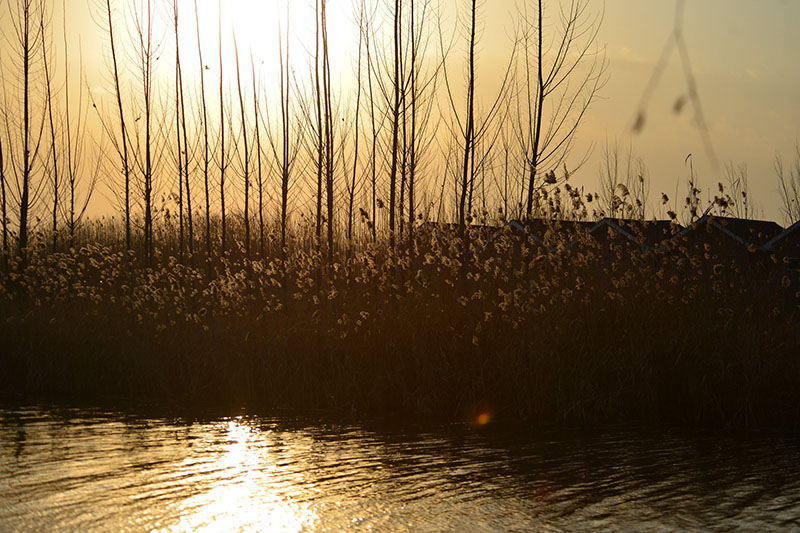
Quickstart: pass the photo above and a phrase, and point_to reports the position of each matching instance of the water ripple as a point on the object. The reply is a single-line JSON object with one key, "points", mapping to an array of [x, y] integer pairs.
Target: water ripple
{"points": [[74, 470]]}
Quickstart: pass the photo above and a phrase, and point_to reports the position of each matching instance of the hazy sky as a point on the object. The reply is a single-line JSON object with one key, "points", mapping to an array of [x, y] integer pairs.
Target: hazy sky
{"points": [[746, 58], [744, 55]]}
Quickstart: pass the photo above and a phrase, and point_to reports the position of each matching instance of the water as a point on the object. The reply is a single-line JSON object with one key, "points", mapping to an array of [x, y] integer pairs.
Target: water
{"points": [[79, 470]]}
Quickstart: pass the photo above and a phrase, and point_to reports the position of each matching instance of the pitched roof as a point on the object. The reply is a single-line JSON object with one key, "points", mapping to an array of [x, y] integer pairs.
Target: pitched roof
{"points": [[756, 232], [774, 242], [743, 231], [544, 232], [518, 226], [645, 233]]}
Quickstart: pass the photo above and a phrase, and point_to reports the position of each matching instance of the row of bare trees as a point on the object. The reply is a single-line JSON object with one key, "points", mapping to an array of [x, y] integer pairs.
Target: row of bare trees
{"points": [[45, 173], [328, 150]]}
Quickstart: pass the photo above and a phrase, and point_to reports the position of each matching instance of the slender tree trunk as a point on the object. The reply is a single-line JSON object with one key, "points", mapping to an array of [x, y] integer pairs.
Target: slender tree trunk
{"points": [[26, 120], [246, 154], [72, 177], [189, 212], [374, 151], [222, 164], [259, 176], [472, 174], [534, 161], [469, 134], [205, 132], [413, 147], [329, 152], [505, 179], [147, 88], [179, 148], [285, 99], [125, 165], [404, 122], [355, 155], [395, 123], [320, 133], [3, 201], [53, 145]]}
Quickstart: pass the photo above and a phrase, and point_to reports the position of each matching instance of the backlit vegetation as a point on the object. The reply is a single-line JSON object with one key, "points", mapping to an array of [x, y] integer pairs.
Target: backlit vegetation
{"points": [[583, 335]]}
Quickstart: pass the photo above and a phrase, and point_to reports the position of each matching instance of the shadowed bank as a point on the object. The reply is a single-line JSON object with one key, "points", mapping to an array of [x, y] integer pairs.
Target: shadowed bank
{"points": [[572, 325]]}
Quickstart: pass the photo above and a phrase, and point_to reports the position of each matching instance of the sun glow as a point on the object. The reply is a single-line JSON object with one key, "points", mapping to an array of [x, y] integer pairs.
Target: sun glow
{"points": [[259, 28]]}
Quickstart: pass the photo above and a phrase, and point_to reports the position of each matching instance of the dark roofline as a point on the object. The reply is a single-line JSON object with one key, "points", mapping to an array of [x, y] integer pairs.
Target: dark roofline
{"points": [[770, 245], [714, 222], [721, 227], [615, 225], [619, 229], [516, 224]]}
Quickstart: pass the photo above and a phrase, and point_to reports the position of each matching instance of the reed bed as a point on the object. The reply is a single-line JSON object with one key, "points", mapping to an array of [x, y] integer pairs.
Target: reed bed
{"points": [[583, 336]]}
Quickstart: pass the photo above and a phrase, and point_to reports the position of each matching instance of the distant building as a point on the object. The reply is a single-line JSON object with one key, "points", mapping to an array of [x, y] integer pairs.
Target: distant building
{"points": [[724, 244], [539, 235], [786, 245], [725, 231], [642, 234], [444, 236], [731, 243]]}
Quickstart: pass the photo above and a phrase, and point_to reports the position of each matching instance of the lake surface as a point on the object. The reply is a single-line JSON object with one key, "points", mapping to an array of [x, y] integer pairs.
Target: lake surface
{"points": [[78, 470]]}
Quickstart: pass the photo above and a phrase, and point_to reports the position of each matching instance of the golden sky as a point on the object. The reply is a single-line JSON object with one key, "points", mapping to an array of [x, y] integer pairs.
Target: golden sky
{"points": [[744, 56]]}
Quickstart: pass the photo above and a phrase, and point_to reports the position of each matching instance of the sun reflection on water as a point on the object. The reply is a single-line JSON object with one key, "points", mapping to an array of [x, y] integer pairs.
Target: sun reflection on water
{"points": [[108, 472], [244, 494]]}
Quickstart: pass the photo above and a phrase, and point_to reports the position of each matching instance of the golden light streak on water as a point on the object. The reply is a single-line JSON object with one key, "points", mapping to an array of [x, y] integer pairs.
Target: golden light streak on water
{"points": [[89, 470], [243, 496]]}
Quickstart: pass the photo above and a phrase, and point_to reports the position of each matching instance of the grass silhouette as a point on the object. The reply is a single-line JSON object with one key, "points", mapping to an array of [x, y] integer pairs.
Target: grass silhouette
{"points": [[586, 334]]}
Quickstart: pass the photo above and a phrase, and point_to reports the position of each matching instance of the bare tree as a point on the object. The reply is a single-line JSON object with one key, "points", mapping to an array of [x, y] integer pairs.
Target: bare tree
{"points": [[560, 78], [467, 128], [329, 134], [412, 148], [222, 160], [421, 85], [287, 156], [104, 18], [123, 131], [3, 200], [74, 141], [789, 186], [48, 87], [365, 28], [181, 129], [397, 86], [25, 39], [320, 137], [246, 163], [469, 133], [181, 151], [206, 157], [320, 120], [146, 51], [353, 183], [259, 174]]}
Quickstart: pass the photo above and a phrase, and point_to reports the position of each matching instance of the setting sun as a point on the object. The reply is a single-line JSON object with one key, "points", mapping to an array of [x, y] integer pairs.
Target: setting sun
{"points": [[256, 26]]}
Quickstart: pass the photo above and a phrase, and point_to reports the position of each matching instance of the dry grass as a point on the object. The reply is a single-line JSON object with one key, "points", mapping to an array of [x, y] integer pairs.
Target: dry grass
{"points": [[582, 336]]}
